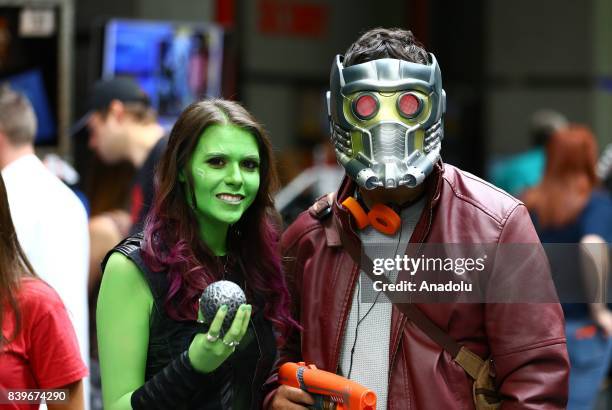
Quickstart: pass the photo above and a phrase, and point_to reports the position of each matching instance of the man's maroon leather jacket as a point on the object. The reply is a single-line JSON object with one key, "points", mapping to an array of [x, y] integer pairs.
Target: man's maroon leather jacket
{"points": [[525, 341]]}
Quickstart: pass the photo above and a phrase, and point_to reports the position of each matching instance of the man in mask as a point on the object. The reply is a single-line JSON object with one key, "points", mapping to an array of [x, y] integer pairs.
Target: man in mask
{"points": [[386, 107]]}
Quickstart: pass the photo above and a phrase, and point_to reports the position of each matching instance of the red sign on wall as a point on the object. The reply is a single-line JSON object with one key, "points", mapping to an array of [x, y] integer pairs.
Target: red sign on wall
{"points": [[297, 18]]}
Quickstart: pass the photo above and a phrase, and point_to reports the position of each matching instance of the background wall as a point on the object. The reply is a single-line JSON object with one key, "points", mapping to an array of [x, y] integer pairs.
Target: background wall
{"points": [[500, 61], [285, 70], [545, 54]]}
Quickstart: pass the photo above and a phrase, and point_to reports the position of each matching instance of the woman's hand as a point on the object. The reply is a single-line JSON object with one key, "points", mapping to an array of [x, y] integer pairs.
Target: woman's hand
{"points": [[207, 350]]}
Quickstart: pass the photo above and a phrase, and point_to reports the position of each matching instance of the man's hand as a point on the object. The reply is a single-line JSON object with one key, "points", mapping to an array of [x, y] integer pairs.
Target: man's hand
{"points": [[290, 398]]}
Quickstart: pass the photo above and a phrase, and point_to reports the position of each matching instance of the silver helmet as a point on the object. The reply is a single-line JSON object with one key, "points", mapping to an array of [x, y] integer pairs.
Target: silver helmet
{"points": [[386, 119]]}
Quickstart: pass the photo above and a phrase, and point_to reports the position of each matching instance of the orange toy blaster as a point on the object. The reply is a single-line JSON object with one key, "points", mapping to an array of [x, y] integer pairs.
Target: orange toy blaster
{"points": [[329, 390]]}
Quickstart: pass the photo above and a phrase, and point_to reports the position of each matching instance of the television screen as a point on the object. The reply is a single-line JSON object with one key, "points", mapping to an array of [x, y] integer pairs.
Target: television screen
{"points": [[175, 63], [30, 83]]}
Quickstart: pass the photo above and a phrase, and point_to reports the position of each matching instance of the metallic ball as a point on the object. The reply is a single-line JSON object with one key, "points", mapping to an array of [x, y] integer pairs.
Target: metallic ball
{"points": [[223, 292]]}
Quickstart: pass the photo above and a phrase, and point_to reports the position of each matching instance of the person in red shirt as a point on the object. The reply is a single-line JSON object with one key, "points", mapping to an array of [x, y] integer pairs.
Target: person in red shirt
{"points": [[38, 345]]}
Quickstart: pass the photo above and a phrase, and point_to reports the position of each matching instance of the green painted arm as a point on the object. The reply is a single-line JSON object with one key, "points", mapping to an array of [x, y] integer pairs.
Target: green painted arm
{"points": [[124, 305]]}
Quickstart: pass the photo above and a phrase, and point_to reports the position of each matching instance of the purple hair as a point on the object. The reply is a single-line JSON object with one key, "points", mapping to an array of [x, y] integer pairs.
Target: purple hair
{"points": [[171, 240]]}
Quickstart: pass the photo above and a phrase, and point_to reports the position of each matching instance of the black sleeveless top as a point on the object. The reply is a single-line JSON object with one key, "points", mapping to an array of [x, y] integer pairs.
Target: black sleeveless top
{"points": [[237, 383]]}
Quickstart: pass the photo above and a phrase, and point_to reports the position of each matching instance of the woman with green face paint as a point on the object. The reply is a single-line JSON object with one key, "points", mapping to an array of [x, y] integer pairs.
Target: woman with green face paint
{"points": [[212, 219]]}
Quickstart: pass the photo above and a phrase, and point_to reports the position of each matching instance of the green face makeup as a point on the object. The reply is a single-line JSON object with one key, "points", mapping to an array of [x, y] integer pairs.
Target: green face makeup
{"points": [[225, 172]]}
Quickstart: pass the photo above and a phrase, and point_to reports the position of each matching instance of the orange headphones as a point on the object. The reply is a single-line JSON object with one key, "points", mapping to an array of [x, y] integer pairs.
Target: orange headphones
{"points": [[382, 217]]}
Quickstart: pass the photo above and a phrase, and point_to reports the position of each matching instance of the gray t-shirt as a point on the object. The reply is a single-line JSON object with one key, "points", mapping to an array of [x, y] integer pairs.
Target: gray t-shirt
{"points": [[370, 360]]}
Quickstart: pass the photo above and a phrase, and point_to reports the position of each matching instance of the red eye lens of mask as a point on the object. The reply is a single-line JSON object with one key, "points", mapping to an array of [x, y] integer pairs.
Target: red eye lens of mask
{"points": [[408, 105], [365, 106]]}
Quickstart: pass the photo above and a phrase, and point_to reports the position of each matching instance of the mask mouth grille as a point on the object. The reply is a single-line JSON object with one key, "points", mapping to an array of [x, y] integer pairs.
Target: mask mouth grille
{"points": [[388, 142]]}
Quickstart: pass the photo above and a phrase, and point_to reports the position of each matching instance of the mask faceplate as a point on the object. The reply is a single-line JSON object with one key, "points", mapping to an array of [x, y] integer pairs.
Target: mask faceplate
{"points": [[386, 120]]}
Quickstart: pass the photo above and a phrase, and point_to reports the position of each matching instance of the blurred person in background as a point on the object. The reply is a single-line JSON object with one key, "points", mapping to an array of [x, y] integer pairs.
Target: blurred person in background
{"points": [[38, 346], [122, 127], [50, 220], [524, 170], [567, 207]]}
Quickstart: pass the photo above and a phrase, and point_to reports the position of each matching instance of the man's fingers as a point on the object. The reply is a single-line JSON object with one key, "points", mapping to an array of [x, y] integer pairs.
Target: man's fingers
{"points": [[295, 395]]}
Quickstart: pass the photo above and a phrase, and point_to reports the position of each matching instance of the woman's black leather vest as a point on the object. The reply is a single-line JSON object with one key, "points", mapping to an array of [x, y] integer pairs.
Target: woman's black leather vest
{"points": [[237, 383]]}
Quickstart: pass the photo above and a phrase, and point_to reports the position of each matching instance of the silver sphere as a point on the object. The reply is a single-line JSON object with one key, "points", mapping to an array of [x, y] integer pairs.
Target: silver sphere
{"points": [[217, 294]]}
